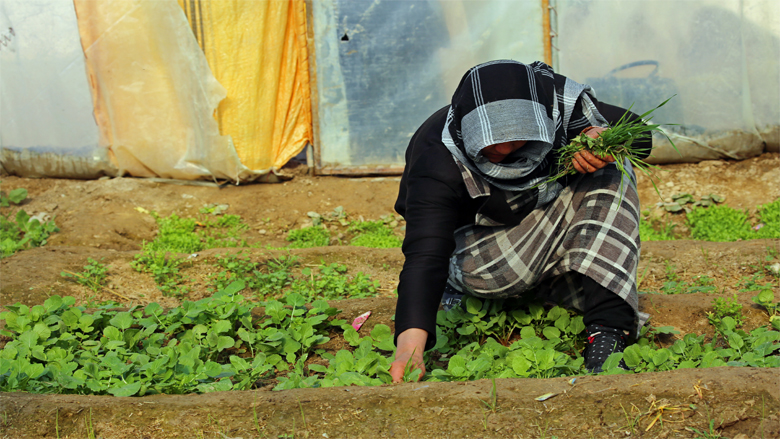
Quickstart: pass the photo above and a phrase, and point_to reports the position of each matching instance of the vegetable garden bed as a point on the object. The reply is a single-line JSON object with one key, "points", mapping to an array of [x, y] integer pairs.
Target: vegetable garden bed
{"points": [[692, 289]]}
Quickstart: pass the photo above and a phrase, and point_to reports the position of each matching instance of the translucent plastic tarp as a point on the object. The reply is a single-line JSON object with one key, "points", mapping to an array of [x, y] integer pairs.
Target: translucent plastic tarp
{"points": [[384, 66], [720, 57], [258, 52], [46, 122], [154, 94]]}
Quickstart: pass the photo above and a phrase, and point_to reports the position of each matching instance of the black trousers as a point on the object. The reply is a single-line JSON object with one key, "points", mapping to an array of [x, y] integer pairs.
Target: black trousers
{"points": [[603, 307]]}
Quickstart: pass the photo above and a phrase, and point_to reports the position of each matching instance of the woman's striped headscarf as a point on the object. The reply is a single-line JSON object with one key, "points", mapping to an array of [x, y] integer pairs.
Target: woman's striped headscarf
{"points": [[502, 101]]}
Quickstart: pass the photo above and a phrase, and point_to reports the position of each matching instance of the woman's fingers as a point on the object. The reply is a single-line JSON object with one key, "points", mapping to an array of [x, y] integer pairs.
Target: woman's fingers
{"points": [[398, 368], [585, 162]]}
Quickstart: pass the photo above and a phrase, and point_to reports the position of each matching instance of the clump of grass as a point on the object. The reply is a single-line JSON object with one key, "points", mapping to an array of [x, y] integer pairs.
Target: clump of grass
{"points": [[769, 216], [374, 234], [315, 236], [719, 223], [653, 229], [725, 308], [93, 276], [617, 141]]}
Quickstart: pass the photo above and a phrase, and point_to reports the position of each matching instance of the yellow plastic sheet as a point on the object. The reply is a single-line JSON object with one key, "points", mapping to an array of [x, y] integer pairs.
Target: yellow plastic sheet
{"points": [[257, 51]]}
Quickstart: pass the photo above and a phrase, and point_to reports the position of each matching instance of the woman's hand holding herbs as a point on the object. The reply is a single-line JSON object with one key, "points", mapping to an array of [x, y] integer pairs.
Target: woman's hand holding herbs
{"points": [[584, 161], [409, 355]]}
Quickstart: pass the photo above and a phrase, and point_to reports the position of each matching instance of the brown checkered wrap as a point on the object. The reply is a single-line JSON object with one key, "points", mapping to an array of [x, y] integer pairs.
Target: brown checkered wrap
{"points": [[591, 228]]}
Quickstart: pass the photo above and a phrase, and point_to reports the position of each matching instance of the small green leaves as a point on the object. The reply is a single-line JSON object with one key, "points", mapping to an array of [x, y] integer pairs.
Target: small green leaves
{"points": [[17, 195], [23, 232], [122, 320]]}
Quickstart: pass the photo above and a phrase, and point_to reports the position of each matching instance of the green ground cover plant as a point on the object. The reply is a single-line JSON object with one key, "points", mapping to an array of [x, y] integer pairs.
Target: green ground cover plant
{"points": [[654, 229], [276, 278], [708, 220], [177, 235], [209, 345], [93, 276], [22, 232], [314, 236], [216, 344], [723, 223], [375, 234]]}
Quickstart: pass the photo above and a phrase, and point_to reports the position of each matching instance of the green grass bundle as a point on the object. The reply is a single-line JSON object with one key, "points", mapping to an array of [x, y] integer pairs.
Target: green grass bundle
{"points": [[616, 141]]}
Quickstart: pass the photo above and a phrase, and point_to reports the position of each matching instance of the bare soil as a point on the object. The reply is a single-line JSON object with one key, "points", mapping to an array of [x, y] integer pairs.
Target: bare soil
{"points": [[101, 219]]}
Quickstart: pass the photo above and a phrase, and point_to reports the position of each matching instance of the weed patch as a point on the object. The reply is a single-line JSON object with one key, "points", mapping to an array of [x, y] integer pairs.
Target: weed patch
{"points": [[185, 235], [23, 232], [93, 276], [653, 229], [314, 236], [374, 234]]}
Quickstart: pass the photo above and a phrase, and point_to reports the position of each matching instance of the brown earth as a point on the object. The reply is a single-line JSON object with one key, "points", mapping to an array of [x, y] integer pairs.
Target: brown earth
{"points": [[100, 219]]}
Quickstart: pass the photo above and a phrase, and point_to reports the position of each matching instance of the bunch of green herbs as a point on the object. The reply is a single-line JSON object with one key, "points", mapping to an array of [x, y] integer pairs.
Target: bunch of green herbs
{"points": [[616, 141]]}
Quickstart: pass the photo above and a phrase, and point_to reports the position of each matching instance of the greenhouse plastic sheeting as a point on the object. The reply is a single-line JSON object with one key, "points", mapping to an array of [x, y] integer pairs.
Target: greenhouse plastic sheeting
{"points": [[46, 122], [153, 92], [384, 66], [257, 51], [720, 58]]}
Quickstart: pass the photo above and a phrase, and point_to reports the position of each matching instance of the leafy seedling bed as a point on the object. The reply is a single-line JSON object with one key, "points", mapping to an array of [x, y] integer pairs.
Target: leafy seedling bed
{"points": [[718, 401]]}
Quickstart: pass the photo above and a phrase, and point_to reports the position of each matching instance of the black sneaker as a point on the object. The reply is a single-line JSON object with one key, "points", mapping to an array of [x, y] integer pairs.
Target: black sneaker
{"points": [[451, 298], [602, 341]]}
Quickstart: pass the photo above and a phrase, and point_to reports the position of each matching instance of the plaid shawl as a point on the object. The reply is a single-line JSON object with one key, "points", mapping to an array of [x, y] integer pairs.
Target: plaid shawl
{"points": [[592, 228], [502, 101]]}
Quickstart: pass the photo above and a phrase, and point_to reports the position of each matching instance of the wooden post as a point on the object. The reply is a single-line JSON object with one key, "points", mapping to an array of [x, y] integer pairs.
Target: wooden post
{"points": [[547, 32]]}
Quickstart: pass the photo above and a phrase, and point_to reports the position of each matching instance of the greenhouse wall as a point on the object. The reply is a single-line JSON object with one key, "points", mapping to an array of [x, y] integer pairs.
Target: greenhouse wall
{"points": [[46, 123], [383, 67]]}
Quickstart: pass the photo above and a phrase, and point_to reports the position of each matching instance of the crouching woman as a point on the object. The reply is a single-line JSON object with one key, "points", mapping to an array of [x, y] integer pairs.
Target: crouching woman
{"points": [[484, 218]]}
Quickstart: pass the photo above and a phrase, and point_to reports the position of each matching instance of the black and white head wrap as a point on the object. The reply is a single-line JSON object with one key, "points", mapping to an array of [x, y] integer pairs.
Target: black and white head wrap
{"points": [[503, 101]]}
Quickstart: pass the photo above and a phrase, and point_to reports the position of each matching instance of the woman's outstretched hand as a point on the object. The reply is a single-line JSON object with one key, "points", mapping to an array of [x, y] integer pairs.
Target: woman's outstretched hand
{"points": [[585, 161], [411, 345]]}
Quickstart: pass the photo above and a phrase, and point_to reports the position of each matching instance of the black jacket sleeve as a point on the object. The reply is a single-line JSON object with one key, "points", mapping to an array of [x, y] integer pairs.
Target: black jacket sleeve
{"points": [[433, 200]]}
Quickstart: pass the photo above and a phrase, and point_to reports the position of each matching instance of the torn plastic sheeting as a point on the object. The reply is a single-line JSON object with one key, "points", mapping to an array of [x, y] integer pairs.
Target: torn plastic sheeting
{"points": [[153, 92]]}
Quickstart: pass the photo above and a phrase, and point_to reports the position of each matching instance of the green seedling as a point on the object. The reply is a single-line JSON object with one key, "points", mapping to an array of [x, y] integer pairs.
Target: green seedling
{"points": [[725, 308], [23, 233], [88, 425], [631, 422], [376, 234], [491, 405], [15, 196], [711, 434], [93, 276], [303, 416]]}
